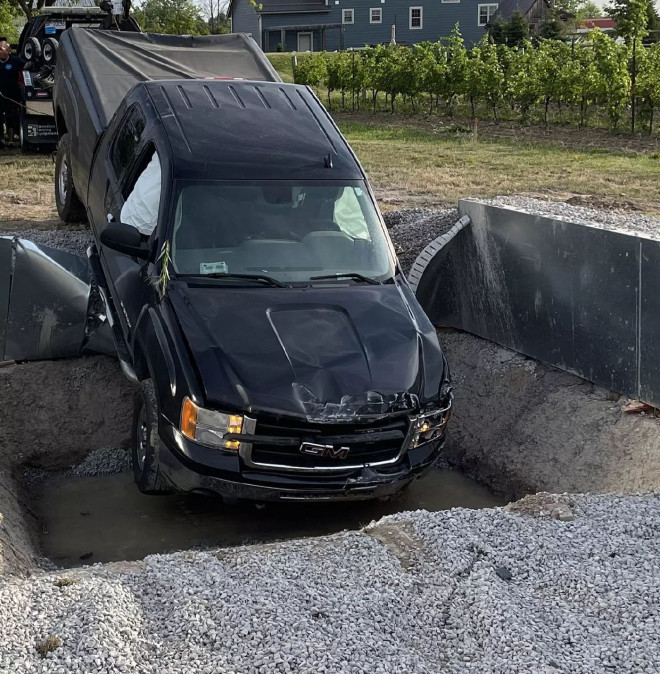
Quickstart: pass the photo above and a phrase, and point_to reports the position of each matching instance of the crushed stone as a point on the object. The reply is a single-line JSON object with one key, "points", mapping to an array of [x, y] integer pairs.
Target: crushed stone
{"points": [[73, 241], [623, 221], [412, 230], [457, 591], [104, 461]]}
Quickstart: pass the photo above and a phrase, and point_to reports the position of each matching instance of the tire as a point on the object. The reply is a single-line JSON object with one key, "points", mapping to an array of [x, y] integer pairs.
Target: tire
{"points": [[147, 442], [32, 49], [49, 50], [69, 206]]}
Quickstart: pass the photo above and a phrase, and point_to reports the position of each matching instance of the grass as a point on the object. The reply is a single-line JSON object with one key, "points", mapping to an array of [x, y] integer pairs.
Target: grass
{"points": [[48, 645], [282, 63], [26, 188], [408, 164]]}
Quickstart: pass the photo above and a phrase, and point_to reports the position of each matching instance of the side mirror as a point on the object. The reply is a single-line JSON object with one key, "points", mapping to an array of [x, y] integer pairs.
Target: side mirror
{"points": [[125, 239]]}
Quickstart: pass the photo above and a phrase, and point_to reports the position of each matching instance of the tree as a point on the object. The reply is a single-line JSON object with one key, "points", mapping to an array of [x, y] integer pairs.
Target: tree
{"points": [[497, 30], [8, 14], [553, 27], [631, 18], [175, 17], [589, 10], [517, 30], [216, 17], [31, 7]]}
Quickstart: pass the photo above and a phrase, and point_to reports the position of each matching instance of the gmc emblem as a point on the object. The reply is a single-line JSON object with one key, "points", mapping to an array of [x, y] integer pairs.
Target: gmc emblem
{"points": [[312, 449]]}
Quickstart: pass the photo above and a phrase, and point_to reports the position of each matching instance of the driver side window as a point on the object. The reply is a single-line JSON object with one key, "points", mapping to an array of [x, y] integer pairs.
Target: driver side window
{"points": [[142, 192]]}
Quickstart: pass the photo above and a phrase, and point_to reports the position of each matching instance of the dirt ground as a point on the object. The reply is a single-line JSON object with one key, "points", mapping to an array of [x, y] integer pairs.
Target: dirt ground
{"points": [[54, 414], [521, 427]]}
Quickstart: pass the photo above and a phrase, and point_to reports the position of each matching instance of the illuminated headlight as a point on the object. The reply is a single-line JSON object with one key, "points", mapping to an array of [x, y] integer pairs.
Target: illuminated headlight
{"points": [[209, 427], [431, 425]]}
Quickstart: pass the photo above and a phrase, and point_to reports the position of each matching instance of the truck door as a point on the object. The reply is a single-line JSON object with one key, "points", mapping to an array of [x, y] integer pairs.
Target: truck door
{"points": [[125, 158]]}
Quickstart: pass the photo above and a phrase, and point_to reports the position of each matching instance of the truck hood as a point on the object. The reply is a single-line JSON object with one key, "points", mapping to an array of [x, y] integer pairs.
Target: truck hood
{"points": [[320, 353]]}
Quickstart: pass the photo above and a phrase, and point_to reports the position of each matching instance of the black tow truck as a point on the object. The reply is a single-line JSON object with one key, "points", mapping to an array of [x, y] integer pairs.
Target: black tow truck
{"points": [[38, 45], [248, 276]]}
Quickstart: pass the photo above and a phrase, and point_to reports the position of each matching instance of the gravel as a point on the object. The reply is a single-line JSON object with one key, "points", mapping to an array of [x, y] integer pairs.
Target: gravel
{"points": [[73, 241], [453, 591], [412, 230], [104, 461], [625, 222]]}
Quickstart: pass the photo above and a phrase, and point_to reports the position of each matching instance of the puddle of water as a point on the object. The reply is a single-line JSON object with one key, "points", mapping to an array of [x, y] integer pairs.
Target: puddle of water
{"points": [[108, 517]]}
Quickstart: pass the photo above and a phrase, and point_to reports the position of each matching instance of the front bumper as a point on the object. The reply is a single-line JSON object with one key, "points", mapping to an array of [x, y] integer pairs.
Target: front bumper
{"points": [[192, 468]]}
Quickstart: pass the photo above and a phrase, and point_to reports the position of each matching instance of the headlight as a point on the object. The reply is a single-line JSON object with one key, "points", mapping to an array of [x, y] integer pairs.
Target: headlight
{"points": [[431, 425], [209, 427]]}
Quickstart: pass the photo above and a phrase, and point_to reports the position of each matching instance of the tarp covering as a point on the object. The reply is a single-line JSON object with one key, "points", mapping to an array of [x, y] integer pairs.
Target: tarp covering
{"points": [[113, 62]]}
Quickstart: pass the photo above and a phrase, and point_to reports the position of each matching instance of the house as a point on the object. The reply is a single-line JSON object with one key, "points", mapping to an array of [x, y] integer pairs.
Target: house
{"points": [[533, 10], [605, 24], [315, 25]]}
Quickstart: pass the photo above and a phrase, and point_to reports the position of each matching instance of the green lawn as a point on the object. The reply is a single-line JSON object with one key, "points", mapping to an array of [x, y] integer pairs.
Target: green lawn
{"points": [[411, 165]]}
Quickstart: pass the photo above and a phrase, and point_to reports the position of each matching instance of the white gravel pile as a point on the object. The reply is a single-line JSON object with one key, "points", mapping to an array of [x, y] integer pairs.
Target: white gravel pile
{"points": [[621, 221], [411, 230], [73, 241], [571, 588]]}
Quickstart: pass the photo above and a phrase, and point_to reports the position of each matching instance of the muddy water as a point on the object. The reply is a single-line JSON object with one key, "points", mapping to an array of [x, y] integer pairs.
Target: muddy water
{"points": [[103, 519]]}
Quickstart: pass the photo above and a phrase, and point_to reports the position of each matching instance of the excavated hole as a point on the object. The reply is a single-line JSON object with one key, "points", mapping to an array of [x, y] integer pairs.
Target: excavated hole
{"points": [[518, 427]]}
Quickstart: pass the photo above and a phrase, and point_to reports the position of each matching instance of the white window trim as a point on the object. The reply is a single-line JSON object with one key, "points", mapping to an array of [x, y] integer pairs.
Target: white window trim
{"points": [[450, 2], [311, 40], [485, 4], [343, 16], [380, 12], [410, 18]]}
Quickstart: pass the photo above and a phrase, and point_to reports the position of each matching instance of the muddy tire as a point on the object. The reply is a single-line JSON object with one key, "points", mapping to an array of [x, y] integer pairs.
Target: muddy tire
{"points": [[147, 442], [69, 206]]}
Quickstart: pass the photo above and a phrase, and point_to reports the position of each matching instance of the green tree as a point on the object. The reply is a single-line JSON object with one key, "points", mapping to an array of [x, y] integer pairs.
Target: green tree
{"points": [[8, 15], [631, 17], [648, 84], [517, 30], [553, 27], [497, 30], [612, 85], [175, 17], [589, 10], [30, 7], [457, 67]]}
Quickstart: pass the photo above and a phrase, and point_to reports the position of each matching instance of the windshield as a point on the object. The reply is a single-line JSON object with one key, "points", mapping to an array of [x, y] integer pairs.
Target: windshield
{"points": [[288, 231]]}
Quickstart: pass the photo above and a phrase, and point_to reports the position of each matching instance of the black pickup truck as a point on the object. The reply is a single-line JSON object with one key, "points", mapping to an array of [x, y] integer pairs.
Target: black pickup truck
{"points": [[247, 273]]}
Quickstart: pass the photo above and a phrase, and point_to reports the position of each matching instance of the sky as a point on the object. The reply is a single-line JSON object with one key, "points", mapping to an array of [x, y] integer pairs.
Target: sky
{"points": [[603, 3]]}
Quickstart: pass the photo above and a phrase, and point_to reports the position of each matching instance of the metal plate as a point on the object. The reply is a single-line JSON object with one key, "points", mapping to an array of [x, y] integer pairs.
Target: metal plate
{"points": [[563, 293], [48, 303], [6, 252]]}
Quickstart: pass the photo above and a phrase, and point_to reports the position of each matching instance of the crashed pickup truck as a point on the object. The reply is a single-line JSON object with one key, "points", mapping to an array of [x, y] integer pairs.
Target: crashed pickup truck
{"points": [[251, 285]]}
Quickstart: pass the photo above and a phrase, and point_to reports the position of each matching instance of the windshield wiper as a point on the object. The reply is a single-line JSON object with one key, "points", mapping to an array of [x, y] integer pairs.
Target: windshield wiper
{"points": [[266, 280], [352, 275]]}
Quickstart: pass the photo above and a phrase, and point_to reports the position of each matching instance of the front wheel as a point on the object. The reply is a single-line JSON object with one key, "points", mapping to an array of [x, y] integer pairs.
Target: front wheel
{"points": [[69, 206], [147, 442]]}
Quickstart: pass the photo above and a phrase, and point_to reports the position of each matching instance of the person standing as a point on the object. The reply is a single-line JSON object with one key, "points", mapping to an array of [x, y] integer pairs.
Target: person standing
{"points": [[10, 67]]}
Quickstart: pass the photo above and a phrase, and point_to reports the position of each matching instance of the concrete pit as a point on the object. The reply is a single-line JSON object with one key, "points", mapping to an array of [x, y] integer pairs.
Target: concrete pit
{"points": [[519, 427]]}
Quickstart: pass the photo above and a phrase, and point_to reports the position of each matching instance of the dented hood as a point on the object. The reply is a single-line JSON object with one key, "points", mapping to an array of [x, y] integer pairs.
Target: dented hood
{"points": [[321, 353]]}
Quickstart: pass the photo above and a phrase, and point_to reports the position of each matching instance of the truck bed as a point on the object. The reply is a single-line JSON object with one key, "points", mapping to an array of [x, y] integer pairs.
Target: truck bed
{"points": [[97, 68]]}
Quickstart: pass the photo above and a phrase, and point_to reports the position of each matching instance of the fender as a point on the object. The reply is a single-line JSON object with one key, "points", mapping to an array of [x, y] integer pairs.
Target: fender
{"points": [[159, 343]]}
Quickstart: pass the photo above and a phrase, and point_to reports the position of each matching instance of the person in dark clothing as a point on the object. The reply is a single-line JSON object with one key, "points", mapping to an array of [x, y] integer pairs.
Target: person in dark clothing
{"points": [[10, 67]]}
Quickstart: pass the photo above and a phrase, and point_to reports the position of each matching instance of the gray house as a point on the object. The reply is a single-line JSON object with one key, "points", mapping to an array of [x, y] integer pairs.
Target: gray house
{"points": [[315, 25]]}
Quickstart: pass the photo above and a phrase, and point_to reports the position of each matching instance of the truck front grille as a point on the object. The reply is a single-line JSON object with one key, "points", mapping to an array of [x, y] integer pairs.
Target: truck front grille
{"points": [[379, 443]]}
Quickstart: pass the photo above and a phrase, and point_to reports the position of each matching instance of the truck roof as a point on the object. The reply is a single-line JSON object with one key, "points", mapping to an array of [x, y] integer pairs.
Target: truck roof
{"points": [[111, 63], [247, 130]]}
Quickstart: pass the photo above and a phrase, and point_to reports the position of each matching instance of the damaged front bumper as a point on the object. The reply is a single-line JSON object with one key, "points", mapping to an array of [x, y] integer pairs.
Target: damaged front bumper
{"points": [[192, 468]]}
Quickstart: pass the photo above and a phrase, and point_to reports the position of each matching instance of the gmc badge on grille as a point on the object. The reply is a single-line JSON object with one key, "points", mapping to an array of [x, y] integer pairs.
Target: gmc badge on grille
{"points": [[312, 449]]}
